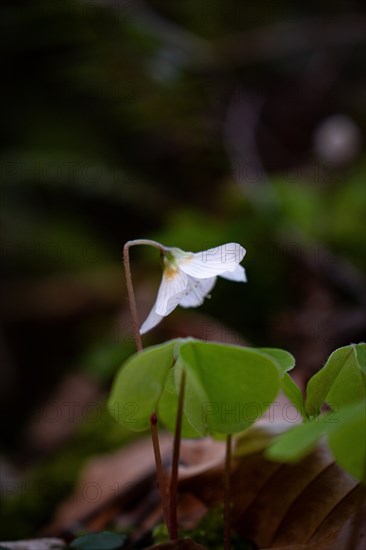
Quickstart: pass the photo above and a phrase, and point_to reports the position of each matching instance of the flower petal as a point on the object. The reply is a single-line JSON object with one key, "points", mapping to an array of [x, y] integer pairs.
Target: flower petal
{"points": [[238, 275], [152, 320], [197, 291], [171, 291], [214, 261]]}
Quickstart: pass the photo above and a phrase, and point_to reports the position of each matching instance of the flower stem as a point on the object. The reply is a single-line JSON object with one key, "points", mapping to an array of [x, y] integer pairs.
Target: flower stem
{"points": [[130, 292], [160, 470], [153, 419], [175, 462], [227, 495]]}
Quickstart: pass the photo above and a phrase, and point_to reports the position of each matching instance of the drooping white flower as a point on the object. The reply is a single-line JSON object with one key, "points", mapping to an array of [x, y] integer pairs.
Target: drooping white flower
{"points": [[189, 277]]}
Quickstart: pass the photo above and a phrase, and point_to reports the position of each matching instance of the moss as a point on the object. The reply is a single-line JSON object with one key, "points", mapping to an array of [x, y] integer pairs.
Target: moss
{"points": [[209, 532]]}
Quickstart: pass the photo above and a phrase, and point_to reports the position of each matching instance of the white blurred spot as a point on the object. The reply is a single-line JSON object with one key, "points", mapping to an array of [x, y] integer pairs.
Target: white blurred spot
{"points": [[337, 140]]}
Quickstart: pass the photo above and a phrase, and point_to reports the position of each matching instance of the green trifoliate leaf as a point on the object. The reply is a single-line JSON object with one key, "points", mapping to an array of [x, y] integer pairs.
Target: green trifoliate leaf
{"points": [[341, 381], [293, 393], [346, 433], [139, 385], [227, 387], [299, 441], [347, 440], [361, 356], [284, 360]]}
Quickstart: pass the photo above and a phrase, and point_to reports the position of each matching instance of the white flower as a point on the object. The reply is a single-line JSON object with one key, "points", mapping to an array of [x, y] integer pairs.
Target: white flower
{"points": [[188, 278]]}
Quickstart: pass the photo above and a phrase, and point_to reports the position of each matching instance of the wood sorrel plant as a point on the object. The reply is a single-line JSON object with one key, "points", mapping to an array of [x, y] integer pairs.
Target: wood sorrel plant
{"points": [[197, 388], [340, 386]]}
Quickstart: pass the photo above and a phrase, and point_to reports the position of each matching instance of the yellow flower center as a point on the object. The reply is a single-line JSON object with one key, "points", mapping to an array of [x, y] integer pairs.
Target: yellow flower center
{"points": [[170, 272], [170, 266], [172, 259]]}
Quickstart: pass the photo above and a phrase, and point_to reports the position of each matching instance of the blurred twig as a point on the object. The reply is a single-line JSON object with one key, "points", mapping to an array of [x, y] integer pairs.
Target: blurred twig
{"points": [[63, 295], [293, 38], [267, 43], [322, 262]]}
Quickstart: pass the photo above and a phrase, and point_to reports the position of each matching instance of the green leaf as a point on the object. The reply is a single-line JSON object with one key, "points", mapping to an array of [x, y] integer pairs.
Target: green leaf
{"points": [[361, 356], [341, 381], [297, 442], [139, 385], [99, 541], [293, 392], [345, 430], [284, 360], [347, 440], [227, 387]]}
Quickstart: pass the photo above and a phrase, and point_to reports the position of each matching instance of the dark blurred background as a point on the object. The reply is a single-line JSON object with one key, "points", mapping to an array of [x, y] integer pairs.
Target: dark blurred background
{"points": [[195, 122]]}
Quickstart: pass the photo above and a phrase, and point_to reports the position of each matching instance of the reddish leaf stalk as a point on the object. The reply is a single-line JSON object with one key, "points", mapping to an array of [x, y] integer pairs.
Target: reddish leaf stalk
{"points": [[160, 471], [175, 462], [227, 494]]}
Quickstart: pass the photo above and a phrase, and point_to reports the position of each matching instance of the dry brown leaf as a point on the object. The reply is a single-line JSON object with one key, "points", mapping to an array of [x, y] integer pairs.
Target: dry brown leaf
{"points": [[190, 511], [312, 504], [199, 456], [105, 479]]}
